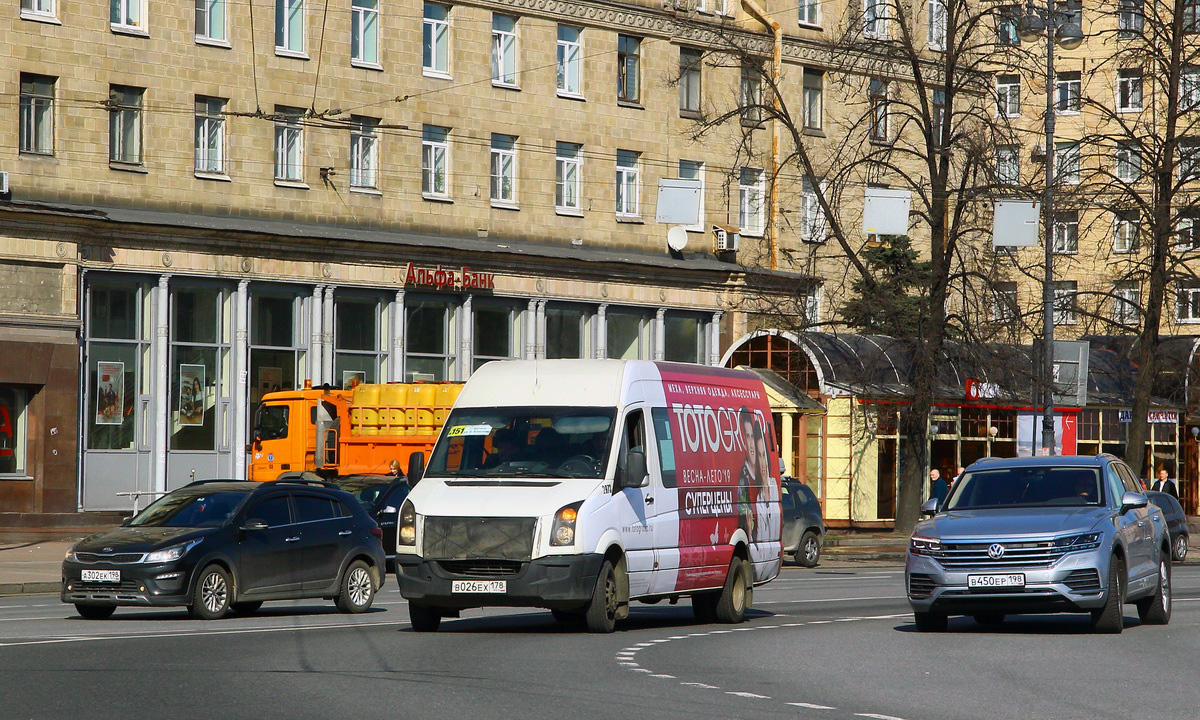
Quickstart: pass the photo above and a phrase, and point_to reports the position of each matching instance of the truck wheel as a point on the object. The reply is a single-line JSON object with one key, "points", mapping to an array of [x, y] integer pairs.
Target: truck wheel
{"points": [[94, 612], [423, 617], [929, 621], [808, 553], [601, 616], [735, 598], [1110, 619], [210, 599], [1156, 609]]}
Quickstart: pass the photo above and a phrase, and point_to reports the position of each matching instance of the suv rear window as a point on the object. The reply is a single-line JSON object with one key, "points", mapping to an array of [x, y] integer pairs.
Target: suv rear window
{"points": [[1027, 487], [313, 507]]}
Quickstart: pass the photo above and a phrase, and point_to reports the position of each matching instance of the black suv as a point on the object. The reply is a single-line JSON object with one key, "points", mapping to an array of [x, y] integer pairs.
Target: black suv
{"points": [[382, 497], [220, 545]]}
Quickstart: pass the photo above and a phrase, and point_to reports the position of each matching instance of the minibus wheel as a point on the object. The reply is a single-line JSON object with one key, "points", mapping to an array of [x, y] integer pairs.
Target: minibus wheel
{"points": [[738, 593], [601, 614]]}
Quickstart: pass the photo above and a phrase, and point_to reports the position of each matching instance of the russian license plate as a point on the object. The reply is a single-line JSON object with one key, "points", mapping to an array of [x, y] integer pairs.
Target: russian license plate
{"points": [[996, 581], [478, 586], [105, 576]]}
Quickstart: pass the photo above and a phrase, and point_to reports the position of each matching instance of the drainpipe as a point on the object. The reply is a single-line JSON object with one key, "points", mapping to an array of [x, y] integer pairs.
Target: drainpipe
{"points": [[761, 15]]}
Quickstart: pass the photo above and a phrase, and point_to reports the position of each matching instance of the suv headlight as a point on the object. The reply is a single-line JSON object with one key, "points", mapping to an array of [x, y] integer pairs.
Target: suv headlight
{"points": [[1072, 543], [70, 556], [564, 525], [931, 547], [170, 554], [406, 525]]}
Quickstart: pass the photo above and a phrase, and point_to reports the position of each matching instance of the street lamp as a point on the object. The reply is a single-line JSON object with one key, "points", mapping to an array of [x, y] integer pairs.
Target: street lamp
{"points": [[1057, 27]]}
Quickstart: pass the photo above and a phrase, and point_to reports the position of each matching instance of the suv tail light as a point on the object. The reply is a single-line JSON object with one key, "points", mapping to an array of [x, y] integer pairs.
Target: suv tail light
{"points": [[377, 532]]}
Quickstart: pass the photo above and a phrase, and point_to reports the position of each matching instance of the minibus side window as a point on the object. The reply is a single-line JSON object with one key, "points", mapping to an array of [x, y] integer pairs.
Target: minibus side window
{"points": [[666, 446], [634, 439]]}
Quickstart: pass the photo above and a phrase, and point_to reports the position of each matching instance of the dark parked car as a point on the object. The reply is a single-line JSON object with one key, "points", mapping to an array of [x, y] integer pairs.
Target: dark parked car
{"points": [[1176, 523], [221, 545], [803, 527], [381, 496]]}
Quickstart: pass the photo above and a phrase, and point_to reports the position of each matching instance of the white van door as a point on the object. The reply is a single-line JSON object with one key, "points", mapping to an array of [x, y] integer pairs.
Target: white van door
{"points": [[635, 508]]}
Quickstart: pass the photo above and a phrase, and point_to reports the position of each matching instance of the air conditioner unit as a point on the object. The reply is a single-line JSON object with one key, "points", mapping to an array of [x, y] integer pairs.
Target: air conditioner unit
{"points": [[3, 183], [725, 238], [1038, 153]]}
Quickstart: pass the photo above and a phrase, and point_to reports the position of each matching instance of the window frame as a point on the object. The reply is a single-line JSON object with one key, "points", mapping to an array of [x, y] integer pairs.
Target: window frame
{"points": [[123, 10], [1066, 162], [811, 8], [1066, 232], [1125, 231], [813, 85], [935, 17], [204, 22], [209, 118], [1065, 307], [429, 162], [751, 94], [1008, 96], [1128, 162], [364, 153], [122, 114], [49, 11], [1068, 92], [628, 177], [1130, 83], [288, 132], [30, 129], [1126, 302], [698, 166], [1005, 307], [1008, 164], [502, 55], [752, 220], [812, 219], [561, 163], [1131, 18], [364, 21], [435, 41], [14, 422], [875, 19], [629, 63], [877, 97], [564, 60], [498, 153], [285, 12], [691, 81], [1192, 292]]}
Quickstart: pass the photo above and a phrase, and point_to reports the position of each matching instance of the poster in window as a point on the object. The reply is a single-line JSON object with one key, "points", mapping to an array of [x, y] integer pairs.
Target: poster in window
{"points": [[110, 393], [191, 394], [353, 378], [270, 379]]}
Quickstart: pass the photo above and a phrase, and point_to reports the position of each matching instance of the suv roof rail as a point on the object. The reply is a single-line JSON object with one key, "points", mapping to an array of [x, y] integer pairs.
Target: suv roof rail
{"points": [[987, 459], [301, 481], [214, 480]]}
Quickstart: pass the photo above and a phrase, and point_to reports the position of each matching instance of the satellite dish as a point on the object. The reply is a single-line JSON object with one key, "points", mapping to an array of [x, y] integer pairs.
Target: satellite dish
{"points": [[677, 238]]}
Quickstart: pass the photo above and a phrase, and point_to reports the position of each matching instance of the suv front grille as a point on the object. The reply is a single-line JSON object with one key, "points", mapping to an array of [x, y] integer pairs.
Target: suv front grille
{"points": [[481, 568], [88, 558], [125, 586], [1016, 555], [471, 538], [1083, 581], [920, 585]]}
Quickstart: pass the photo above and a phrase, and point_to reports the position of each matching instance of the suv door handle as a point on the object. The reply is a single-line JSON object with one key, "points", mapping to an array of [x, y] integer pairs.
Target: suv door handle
{"points": [[292, 539], [345, 532]]}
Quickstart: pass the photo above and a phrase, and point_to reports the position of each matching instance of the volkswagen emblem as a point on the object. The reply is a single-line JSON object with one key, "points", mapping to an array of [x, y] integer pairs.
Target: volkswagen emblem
{"points": [[996, 551]]}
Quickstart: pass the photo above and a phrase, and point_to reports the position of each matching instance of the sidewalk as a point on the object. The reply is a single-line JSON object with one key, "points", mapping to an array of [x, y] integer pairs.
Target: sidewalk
{"points": [[32, 567]]}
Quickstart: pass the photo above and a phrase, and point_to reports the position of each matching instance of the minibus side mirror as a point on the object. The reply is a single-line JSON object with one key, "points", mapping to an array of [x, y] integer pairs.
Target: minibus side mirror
{"points": [[634, 473], [416, 468]]}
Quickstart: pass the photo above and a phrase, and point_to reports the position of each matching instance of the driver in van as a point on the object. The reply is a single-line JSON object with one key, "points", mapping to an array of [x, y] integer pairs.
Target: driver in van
{"points": [[505, 448]]}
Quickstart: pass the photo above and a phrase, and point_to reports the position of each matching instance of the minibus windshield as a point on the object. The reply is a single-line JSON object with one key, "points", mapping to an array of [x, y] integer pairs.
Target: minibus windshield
{"points": [[499, 443]]}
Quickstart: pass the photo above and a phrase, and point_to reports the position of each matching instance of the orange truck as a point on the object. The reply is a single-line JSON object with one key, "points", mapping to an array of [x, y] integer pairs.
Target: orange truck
{"points": [[335, 433]]}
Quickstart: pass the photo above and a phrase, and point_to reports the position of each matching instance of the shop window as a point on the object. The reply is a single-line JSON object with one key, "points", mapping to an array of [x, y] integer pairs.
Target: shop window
{"points": [[430, 330], [113, 313], [273, 321], [194, 315], [1164, 432], [193, 408], [1005, 422], [273, 337], [889, 462], [773, 352], [1111, 427], [113, 386], [944, 424], [974, 422], [356, 340], [14, 401], [684, 338], [628, 335], [494, 332], [887, 422], [1089, 426], [566, 330]]}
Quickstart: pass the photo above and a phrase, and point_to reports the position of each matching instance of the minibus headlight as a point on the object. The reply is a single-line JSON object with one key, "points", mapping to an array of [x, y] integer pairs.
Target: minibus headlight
{"points": [[564, 525], [406, 532]]}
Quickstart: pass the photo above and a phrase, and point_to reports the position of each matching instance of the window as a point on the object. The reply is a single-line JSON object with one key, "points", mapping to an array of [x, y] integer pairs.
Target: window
{"points": [[1187, 303], [570, 60], [1004, 302], [690, 62], [878, 98], [1130, 17], [289, 144], [809, 12], [629, 59], [1066, 233], [1067, 93], [1189, 88], [289, 26], [628, 163], [751, 100], [436, 40], [210, 20], [628, 334], [812, 305], [1189, 159], [125, 125], [1125, 231], [37, 114], [938, 108], [1186, 237], [210, 135], [44, 8], [683, 337], [568, 172], [126, 14], [14, 401], [1191, 16], [694, 170], [937, 24], [1006, 25], [496, 332], [751, 201], [875, 14], [1066, 162], [504, 169], [812, 218], [566, 332], [1064, 302], [1127, 298], [1008, 164], [1129, 162], [364, 31], [1129, 90], [813, 99], [364, 152], [356, 339], [1008, 95], [430, 340], [504, 50], [435, 161]]}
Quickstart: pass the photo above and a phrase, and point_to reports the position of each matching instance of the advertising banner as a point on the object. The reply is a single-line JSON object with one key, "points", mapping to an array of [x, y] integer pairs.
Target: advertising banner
{"points": [[110, 393], [191, 394]]}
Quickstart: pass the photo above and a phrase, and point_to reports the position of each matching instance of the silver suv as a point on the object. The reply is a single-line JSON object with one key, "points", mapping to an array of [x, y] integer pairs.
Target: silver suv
{"points": [[1041, 535]]}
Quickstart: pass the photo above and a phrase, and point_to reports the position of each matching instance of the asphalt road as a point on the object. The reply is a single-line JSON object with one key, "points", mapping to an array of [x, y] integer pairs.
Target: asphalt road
{"points": [[829, 643]]}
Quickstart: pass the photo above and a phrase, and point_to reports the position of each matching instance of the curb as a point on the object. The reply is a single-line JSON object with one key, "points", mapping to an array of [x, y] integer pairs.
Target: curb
{"points": [[29, 588]]}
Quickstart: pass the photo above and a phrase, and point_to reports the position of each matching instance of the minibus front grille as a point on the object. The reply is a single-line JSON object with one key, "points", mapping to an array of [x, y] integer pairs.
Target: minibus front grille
{"points": [[482, 568], [466, 538]]}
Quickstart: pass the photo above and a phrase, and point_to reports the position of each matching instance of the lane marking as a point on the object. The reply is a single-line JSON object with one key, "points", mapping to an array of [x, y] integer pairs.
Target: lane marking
{"points": [[813, 706], [194, 633], [747, 695], [875, 716], [663, 675], [705, 686], [825, 600]]}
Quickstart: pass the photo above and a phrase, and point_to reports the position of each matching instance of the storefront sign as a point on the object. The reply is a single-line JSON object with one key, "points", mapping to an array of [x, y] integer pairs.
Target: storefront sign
{"points": [[1125, 416], [110, 393], [979, 390], [448, 278], [1170, 417]]}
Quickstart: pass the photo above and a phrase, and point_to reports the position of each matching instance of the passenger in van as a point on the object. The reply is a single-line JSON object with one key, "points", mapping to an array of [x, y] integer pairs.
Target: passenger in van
{"points": [[505, 446], [550, 447]]}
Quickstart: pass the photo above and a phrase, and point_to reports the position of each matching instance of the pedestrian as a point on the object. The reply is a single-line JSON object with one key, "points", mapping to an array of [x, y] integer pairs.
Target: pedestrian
{"points": [[394, 468], [1166, 484], [957, 477], [937, 485]]}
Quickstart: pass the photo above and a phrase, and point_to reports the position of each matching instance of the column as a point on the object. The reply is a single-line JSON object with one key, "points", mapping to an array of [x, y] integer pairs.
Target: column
{"points": [[162, 387], [241, 374], [787, 448], [601, 332], [317, 339], [530, 330], [539, 331], [660, 328], [466, 331], [396, 350], [326, 357], [714, 339]]}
